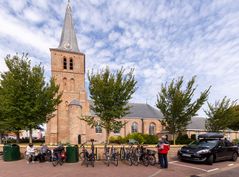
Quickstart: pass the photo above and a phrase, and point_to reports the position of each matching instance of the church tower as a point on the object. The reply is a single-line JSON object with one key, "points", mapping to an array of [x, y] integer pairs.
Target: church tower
{"points": [[68, 70]]}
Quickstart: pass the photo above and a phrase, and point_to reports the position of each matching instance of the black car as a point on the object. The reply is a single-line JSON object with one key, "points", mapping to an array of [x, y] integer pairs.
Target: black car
{"points": [[209, 148]]}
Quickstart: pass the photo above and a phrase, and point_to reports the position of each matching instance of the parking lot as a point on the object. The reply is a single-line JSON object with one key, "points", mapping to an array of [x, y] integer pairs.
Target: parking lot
{"points": [[176, 168]]}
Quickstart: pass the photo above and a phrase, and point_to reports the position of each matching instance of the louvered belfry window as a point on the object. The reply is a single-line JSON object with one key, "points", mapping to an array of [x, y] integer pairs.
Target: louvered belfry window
{"points": [[71, 64], [64, 63]]}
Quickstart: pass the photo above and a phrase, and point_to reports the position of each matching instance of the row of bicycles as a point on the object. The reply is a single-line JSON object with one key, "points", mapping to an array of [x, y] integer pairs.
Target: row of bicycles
{"points": [[138, 155], [56, 156], [131, 155]]}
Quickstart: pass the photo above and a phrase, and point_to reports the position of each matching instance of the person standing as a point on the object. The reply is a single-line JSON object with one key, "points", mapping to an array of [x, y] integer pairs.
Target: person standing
{"points": [[160, 142], [163, 152]]}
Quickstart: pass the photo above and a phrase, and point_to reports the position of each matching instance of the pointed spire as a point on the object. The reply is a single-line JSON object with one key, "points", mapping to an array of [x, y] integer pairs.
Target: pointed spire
{"points": [[68, 36]]}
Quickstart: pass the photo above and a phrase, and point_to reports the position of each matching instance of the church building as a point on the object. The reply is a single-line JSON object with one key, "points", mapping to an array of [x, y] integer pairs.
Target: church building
{"points": [[68, 70]]}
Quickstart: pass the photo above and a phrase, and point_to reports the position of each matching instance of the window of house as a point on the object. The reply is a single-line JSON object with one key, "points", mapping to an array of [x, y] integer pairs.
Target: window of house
{"points": [[98, 128], [117, 131], [71, 64], [64, 63], [134, 127], [152, 128]]}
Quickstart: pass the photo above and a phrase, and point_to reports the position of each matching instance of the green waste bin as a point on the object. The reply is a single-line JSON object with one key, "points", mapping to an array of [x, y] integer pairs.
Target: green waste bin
{"points": [[72, 154], [11, 152]]}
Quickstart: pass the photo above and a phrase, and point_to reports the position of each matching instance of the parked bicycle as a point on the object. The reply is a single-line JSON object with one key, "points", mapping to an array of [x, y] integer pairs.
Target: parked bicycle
{"points": [[126, 155], [111, 155], [58, 155], [144, 156], [88, 158]]}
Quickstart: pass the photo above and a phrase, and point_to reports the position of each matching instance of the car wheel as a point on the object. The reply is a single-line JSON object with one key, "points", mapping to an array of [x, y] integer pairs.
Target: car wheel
{"points": [[180, 158], [234, 156], [210, 160]]}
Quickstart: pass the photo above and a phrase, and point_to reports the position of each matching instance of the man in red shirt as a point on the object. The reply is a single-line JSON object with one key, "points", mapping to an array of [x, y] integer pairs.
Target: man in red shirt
{"points": [[163, 149]]}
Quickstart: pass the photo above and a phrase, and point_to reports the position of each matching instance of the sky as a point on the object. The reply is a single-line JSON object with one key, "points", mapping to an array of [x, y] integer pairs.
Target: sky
{"points": [[161, 39]]}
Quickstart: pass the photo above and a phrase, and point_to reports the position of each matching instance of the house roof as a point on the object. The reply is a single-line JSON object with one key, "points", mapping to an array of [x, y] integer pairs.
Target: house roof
{"points": [[140, 110], [197, 123]]}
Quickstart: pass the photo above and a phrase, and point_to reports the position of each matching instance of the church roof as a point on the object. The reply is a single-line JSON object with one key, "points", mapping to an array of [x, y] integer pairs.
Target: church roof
{"points": [[68, 40], [75, 102], [197, 123], [140, 110]]}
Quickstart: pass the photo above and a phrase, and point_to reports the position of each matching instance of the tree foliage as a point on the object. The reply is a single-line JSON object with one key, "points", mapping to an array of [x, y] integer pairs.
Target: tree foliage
{"points": [[110, 94], [222, 115], [28, 99], [177, 105]]}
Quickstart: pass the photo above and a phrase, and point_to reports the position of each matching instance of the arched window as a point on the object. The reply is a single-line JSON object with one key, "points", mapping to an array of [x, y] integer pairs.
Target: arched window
{"points": [[64, 83], [152, 128], [134, 127], [117, 131], [72, 84], [71, 64], [98, 128], [64, 63]]}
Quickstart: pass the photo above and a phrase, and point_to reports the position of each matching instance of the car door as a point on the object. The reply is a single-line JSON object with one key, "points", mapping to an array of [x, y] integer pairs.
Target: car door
{"points": [[221, 150], [230, 149]]}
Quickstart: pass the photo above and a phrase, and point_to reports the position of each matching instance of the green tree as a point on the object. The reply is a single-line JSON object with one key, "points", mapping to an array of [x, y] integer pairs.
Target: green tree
{"points": [[28, 99], [234, 124], [221, 115], [177, 105], [110, 94]]}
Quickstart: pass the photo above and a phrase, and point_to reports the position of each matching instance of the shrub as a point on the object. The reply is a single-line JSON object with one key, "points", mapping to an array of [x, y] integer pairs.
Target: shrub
{"points": [[235, 141], [183, 139], [139, 137], [150, 139], [136, 136], [193, 136]]}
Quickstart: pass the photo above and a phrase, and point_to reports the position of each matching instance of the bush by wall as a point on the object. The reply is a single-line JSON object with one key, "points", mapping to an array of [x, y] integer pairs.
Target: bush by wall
{"points": [[183, 139], [139, 137]]}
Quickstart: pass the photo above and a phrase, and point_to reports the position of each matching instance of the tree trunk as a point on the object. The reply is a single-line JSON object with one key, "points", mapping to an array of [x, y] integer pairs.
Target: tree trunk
{"points": [[1, 138], [107, 136], [174, 140], [18, 137], [30, 135]]}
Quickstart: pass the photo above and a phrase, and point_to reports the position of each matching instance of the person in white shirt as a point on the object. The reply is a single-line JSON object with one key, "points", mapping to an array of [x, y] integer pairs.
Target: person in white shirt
{"points": [[30, 153]]}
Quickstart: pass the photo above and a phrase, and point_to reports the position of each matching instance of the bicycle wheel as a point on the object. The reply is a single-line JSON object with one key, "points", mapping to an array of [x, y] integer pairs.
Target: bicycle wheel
{"points": [[135, 160], [92, 163], [54, 162], [122, 154], [82, 156], [107, 160], [129, 160], [152, 160], [116, 160], [145, 161], [61, 161]]}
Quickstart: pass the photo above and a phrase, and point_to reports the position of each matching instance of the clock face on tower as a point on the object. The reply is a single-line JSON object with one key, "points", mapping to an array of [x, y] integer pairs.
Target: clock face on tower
{"points": [[67, 46]]}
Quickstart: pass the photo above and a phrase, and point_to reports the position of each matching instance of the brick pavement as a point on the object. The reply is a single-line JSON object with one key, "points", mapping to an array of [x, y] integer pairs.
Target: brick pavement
{"points": [[176, 169]]}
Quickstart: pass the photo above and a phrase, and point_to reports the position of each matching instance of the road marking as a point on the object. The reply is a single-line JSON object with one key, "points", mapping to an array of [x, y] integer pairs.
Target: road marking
{"points": [[230, 164], [189, 167], [173, 162], [214, 169], [157, 172]]}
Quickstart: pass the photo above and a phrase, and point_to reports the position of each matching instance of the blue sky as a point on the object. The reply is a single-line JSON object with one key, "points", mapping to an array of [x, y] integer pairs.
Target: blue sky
{"points": [[161, 39]]}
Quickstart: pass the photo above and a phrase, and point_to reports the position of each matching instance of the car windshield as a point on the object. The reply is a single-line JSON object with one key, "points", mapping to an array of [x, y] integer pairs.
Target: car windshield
{"points": [[204, 143]]}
